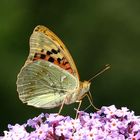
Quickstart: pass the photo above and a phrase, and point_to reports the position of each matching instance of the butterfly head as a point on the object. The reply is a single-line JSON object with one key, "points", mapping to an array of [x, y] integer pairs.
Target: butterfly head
{"points": [[84, 88]]}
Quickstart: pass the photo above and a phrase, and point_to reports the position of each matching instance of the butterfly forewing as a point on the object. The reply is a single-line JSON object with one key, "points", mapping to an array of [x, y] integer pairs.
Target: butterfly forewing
{"points": [[44, 44], [45, 85]]}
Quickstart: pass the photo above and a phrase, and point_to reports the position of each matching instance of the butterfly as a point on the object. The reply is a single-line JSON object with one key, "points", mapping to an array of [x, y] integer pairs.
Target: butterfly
{"points": [[49, 77]]}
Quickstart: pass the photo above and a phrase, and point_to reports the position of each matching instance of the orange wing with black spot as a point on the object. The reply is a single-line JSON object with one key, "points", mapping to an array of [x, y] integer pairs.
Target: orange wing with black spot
{"points": [[45, 45]]}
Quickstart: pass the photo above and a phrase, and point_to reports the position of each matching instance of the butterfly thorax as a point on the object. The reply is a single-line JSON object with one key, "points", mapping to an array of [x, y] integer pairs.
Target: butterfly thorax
{"points": [[77, 95], [84, 88]]}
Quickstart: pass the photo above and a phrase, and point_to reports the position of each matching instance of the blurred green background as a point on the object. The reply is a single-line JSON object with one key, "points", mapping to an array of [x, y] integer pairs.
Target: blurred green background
{"points": [[96, 32]]}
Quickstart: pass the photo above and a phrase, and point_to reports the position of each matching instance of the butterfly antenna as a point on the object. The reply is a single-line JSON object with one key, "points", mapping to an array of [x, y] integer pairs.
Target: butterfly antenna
{"points": [[107, 66]]}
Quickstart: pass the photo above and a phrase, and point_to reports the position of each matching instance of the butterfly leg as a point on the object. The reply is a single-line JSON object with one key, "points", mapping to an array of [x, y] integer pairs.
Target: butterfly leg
{"points": [[90, 100], [61, 107], [79, 105]]}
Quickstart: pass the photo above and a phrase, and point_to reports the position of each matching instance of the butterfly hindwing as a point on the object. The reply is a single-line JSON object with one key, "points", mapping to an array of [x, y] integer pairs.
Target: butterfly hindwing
{"points": [[44, 84]]}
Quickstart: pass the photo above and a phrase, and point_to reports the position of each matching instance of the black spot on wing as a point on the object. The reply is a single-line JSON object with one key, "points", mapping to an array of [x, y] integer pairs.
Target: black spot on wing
{"points": [[59, 60], [54, 51], [42, 50], [58, 50], [51, 59], [49, 53], [42, 56], [44, 31], [35, 55]]}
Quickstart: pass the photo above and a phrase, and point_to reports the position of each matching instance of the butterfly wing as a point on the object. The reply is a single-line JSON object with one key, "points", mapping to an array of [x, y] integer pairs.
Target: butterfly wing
{"points": [[44, 85], [41, 82], [44, 44]]}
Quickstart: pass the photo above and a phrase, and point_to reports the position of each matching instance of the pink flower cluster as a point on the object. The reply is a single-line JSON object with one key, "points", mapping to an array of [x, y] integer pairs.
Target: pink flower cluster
{"points": [[109, 123]]}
